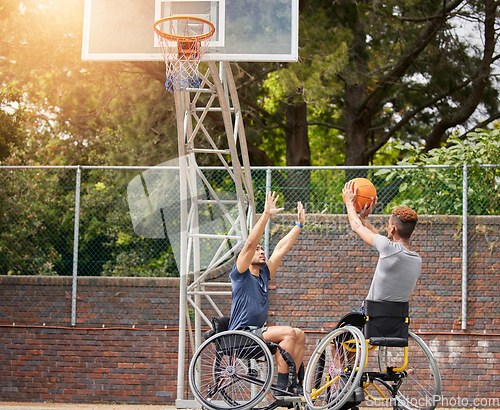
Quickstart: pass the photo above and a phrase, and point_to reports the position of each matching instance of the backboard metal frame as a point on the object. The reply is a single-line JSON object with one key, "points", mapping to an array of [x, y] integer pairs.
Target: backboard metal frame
{"points": [[122, 30]]}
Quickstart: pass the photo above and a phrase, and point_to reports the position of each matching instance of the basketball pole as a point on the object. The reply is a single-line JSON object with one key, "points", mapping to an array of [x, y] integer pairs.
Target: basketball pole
{"points": [[218, 84], [183, 239]]}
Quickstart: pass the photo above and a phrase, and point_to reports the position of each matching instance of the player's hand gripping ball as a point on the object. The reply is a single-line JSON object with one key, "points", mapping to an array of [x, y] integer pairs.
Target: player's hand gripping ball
{"points": [[366, 191]]}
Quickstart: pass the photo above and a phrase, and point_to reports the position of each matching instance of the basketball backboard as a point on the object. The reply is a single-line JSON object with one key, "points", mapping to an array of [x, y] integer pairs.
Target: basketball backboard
{"points": [[245, 30]]}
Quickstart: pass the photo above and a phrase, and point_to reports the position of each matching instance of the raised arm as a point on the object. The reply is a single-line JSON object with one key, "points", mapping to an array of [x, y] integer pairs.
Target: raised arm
{"points": [[361, 226], [365, 212], [284, 245], [248, 251]]}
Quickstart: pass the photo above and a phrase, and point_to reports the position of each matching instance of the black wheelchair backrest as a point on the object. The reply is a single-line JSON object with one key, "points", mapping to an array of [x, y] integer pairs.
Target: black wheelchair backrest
{"points": [[219, 324], [386, 323]]}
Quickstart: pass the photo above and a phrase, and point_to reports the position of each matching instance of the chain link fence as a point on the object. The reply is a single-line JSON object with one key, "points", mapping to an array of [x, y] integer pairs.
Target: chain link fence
{"points": [[75, 221]]}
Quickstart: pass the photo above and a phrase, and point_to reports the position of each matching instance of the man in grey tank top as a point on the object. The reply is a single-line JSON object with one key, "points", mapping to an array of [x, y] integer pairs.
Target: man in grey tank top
{"points": [[399, 266]]}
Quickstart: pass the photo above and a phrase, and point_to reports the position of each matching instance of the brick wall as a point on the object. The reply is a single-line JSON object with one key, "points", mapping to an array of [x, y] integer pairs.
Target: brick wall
{"points": [[88, 365], [123, 348]]}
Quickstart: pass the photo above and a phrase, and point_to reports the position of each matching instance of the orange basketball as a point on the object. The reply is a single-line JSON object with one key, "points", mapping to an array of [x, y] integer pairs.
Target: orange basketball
{"points": [[366, 191]]}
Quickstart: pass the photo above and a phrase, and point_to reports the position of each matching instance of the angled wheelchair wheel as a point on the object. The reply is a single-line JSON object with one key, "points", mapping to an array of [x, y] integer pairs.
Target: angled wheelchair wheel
{"points": [[231, 370], [335, 368], [421, 387]]}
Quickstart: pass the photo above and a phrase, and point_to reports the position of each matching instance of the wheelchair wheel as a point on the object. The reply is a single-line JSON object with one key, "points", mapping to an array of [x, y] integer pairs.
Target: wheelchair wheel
{"points": [[421, 388], [232, 369], [335, 368]]}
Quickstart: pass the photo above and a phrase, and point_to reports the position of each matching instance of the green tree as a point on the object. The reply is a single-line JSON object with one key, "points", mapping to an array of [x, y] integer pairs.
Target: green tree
{"points": [[406, 75], [36, 222], [73, 112], [436, 190], [93, 112], [11, 121]]}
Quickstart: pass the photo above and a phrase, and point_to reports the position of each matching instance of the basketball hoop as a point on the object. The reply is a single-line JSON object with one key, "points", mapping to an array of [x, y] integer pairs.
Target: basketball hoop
{"points": [[183, 40]]}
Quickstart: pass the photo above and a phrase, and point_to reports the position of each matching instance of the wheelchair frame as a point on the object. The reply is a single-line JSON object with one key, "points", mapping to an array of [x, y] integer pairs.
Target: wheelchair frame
{"points": [[235, 370], [407, 377]]}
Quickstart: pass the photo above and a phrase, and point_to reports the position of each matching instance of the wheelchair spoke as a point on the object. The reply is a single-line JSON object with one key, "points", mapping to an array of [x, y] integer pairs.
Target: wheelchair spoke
{"points": [[250, 379]]}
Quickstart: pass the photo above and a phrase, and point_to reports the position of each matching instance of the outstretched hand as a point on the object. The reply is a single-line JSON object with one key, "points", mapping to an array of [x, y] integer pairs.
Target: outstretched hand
{"points": [[368, 208], [270, 205], [350, 193], [301, 213]]}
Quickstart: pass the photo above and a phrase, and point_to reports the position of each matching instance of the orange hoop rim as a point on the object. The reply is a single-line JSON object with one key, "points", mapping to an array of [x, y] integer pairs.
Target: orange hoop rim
{"points": [[177, 37]]}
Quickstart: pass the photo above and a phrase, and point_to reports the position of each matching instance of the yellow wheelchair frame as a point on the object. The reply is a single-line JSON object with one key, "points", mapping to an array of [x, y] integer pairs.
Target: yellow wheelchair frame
{"points": [[336, 377]]}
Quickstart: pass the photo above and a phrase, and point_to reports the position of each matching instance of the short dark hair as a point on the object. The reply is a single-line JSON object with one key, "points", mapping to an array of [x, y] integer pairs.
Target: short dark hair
{"points": [[405, 220]]}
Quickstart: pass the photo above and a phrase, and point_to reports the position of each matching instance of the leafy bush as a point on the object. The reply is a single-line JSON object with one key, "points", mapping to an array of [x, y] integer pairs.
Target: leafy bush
{"points": [[434, 190]]}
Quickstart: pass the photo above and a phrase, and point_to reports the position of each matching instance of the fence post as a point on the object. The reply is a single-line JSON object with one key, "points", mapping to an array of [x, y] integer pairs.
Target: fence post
{"points": [[75, 245], [465, 212], [266, 232]]}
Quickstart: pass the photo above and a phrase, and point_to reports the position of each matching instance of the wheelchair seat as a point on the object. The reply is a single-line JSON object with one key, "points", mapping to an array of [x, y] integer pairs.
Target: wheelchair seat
{"points": [[236, 342], [386, 323]]}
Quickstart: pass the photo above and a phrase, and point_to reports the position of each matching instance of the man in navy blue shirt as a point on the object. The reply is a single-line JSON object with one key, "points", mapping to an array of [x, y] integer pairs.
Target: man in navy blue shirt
{"points": [[250, 299]]}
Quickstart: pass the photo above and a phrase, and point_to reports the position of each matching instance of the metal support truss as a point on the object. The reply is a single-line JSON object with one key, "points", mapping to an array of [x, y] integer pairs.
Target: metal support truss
{"points": [[217, 95]]}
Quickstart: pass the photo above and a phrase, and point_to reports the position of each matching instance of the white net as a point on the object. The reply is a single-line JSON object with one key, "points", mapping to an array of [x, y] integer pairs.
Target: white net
{"points": [[183, 41]]}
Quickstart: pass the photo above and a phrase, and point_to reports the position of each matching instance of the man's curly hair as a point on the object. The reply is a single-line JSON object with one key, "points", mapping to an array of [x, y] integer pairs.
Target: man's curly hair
{"points": [[405, 219]]}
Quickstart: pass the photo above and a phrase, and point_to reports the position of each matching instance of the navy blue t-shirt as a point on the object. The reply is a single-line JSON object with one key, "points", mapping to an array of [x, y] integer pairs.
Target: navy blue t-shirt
{"points": [[250, 303]]}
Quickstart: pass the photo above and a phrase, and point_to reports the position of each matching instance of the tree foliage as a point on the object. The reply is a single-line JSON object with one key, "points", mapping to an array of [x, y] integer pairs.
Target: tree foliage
{"points": [[57, 110], [475, 152], [11, 121], [373, 73], [372, 78], [90, 112]]}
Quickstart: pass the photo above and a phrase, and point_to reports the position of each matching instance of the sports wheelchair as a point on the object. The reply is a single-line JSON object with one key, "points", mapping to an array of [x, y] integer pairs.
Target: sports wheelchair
{"points": [[235, 370], [405, 374]]}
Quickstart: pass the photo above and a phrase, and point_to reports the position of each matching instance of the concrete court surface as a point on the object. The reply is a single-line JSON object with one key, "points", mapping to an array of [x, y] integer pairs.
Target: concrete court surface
{"points": [[74, 406]]}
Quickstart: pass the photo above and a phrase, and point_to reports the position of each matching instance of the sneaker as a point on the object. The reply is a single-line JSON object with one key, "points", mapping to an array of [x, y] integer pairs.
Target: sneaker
{"points": [[282, 382]]}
